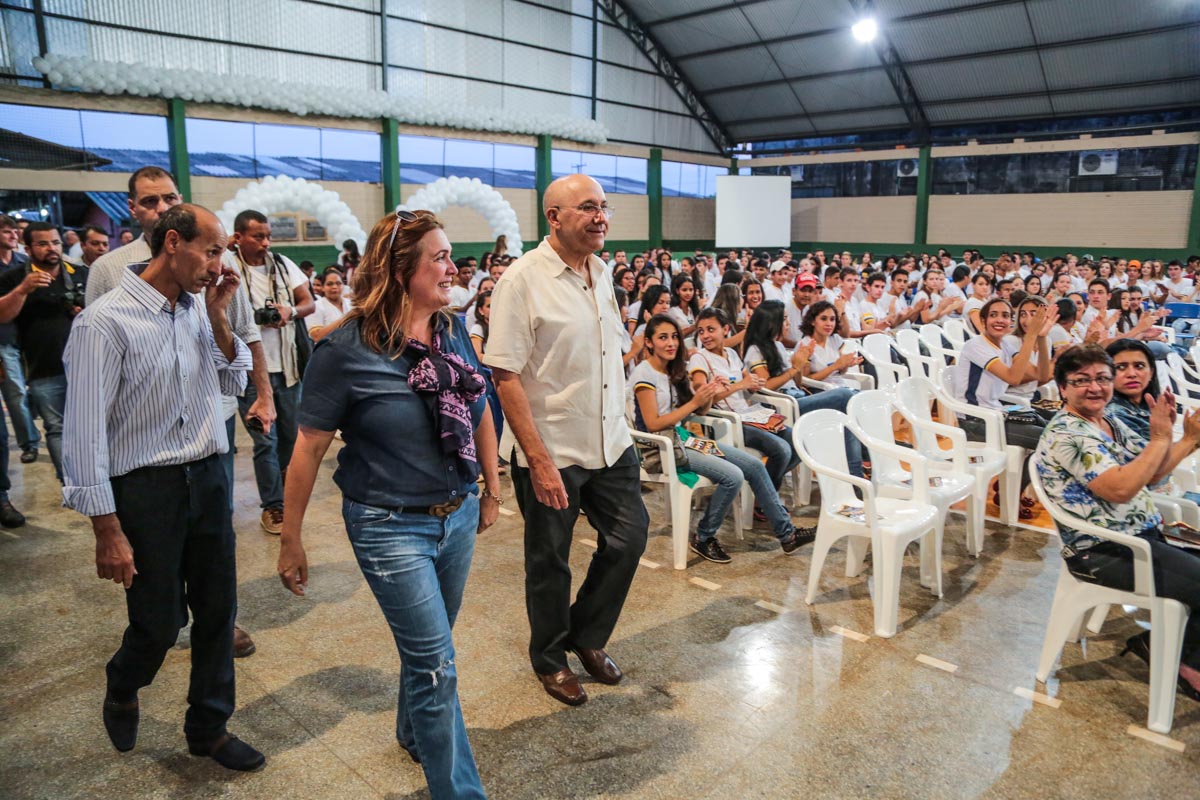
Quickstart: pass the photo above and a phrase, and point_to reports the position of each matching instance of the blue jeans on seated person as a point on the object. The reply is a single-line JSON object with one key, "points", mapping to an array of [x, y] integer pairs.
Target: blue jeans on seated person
{"points": [[727, 474], [777, 447], [417, 565], [837, 400]]}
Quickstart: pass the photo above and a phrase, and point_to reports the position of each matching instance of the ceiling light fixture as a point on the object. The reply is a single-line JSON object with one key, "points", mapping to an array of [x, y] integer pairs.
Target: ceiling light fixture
{"points": [[865, 29]]}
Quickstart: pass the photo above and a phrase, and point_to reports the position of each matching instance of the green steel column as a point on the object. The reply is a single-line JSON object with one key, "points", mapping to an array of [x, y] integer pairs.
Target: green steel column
{"points": [[654, 190], [733, 166], [543, 176], [177, 146], [389, 144], [924, 180], [1193, 239]]}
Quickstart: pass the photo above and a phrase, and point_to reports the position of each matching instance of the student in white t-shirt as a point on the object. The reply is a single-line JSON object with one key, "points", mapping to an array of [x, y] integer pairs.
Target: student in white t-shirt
{"points": [[898, 309], [331, 307], [873, 308], [775, 287], [826, 361], [663, 398], [988, 368], [937, 305], [656, 300], [981, 291], [715, 362], [803, 294], [684, 304], [479, 326], [1175, 288]]}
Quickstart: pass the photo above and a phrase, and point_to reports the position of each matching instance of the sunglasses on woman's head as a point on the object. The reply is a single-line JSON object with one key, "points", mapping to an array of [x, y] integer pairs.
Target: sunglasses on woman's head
{"points": [[403, 218]]}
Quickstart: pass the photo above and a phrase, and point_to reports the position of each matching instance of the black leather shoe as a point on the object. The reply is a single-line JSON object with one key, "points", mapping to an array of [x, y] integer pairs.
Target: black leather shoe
{"points": [[797, 539], [564, 687], [9, 516], [29, 455], [121, 723], [230, 752], [599, 665]]}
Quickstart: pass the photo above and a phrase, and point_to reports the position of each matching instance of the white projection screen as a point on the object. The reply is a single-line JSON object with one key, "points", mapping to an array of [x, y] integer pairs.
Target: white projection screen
{"points": [[754, 211]]}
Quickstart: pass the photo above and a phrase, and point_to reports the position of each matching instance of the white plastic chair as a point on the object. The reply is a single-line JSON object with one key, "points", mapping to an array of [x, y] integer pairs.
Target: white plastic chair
{"points": [[934, 341], [886, 524], [957, 332], [1074, 599], [877, 350], [802, 477], [996, 441], [908, 342], [870, 416], [914, 400]]}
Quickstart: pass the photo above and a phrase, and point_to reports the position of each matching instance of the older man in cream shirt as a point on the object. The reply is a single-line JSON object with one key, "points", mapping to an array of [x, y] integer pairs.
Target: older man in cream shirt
{"points": [[555, 351]]}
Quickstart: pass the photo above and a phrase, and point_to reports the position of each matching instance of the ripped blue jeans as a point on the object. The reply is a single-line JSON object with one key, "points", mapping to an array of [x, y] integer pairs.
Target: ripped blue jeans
{"points": [[416, 565]]}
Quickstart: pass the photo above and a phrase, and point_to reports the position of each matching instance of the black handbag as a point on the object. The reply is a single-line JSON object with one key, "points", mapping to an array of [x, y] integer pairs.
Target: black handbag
{"points": [[304, 342]]}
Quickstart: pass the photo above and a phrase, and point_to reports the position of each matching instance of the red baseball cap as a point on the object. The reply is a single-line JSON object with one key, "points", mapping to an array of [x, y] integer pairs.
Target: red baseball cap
{"points": [[806, 279]]}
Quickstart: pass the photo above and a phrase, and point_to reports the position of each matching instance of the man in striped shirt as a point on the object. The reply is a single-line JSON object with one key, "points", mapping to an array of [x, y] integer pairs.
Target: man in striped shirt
{"points": [[147, 365]]}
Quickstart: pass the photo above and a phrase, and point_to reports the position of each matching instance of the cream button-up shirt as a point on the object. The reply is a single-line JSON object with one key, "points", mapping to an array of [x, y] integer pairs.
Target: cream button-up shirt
{"points": [[563, 338]]}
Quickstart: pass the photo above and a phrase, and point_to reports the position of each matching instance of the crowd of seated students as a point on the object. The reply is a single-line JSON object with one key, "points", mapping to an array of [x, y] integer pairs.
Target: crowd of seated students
{"points": [[782, 321]]}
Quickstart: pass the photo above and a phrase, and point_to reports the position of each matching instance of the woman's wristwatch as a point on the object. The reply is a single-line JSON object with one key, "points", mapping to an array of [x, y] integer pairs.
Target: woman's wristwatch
{"points": [[489, 493]]}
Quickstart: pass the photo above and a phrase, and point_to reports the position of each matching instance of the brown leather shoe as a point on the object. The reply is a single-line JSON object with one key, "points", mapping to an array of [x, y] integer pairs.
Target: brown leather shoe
{"points": [[243, 645], [272, 521], [564, 687], [599, 665]]}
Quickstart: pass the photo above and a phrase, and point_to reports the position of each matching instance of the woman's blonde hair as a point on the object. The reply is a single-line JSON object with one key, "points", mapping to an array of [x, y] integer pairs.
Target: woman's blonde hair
{"points": [[381, 300]]}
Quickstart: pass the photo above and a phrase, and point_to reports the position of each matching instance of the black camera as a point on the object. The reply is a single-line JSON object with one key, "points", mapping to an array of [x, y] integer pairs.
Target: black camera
{"points": [[267, 315], [73, 299]]}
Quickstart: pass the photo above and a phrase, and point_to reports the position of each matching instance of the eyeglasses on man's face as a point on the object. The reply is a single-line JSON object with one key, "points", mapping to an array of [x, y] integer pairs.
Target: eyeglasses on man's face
{"points": [[590, 209]]}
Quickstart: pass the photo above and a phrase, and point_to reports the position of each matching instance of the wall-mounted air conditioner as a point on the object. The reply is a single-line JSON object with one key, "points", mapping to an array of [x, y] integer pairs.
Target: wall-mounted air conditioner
{"points": [[1098, 162]]}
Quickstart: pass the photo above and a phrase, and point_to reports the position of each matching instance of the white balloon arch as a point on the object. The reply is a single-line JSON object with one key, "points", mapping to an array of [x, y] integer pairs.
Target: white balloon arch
{"points": [[472, 193], [277, 193]]}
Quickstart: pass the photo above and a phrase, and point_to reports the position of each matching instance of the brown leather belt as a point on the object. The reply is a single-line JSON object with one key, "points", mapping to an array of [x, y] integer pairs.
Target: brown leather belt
{"points": [[440, 510]]}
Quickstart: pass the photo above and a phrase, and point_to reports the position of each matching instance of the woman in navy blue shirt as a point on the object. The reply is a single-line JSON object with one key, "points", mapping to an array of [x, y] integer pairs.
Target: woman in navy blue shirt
{"points": [[400, 379]]}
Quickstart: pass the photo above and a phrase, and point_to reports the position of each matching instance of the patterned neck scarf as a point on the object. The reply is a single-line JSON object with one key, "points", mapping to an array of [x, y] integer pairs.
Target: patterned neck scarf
{"points": [[457, 385]]}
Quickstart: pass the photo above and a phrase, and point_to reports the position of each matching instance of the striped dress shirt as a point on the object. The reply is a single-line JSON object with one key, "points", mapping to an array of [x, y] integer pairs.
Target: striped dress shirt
{"points": [[105, 273], [144, 387]]}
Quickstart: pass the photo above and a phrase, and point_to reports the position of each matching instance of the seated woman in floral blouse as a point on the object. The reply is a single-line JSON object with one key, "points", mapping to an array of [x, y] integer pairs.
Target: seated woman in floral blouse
{"points": [[1096, 468]]}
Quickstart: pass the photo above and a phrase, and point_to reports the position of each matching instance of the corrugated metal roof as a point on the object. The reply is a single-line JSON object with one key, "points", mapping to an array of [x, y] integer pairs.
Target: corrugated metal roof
{"points": [[984, 77], [990, 27], [840, 92], [967, 60]]}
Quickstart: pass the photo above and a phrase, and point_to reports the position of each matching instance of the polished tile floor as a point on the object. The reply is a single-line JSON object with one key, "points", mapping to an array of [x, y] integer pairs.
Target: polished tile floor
{"points": [[734, 688]]}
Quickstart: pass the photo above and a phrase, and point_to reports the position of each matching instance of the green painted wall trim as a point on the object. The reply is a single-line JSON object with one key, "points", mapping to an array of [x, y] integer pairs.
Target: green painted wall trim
{"points": [[924, 181], [1193, 239], [654, 192], [989, 251], [390, 163], [177, 146], [542, 177]]}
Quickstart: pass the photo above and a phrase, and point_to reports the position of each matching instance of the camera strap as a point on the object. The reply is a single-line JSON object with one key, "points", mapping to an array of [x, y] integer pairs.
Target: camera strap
{"points": [[272, 266]]}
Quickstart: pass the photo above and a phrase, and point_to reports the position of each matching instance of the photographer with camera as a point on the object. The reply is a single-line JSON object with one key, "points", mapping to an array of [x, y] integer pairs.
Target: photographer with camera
{"points": [[43, 299], [280, 295]]}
